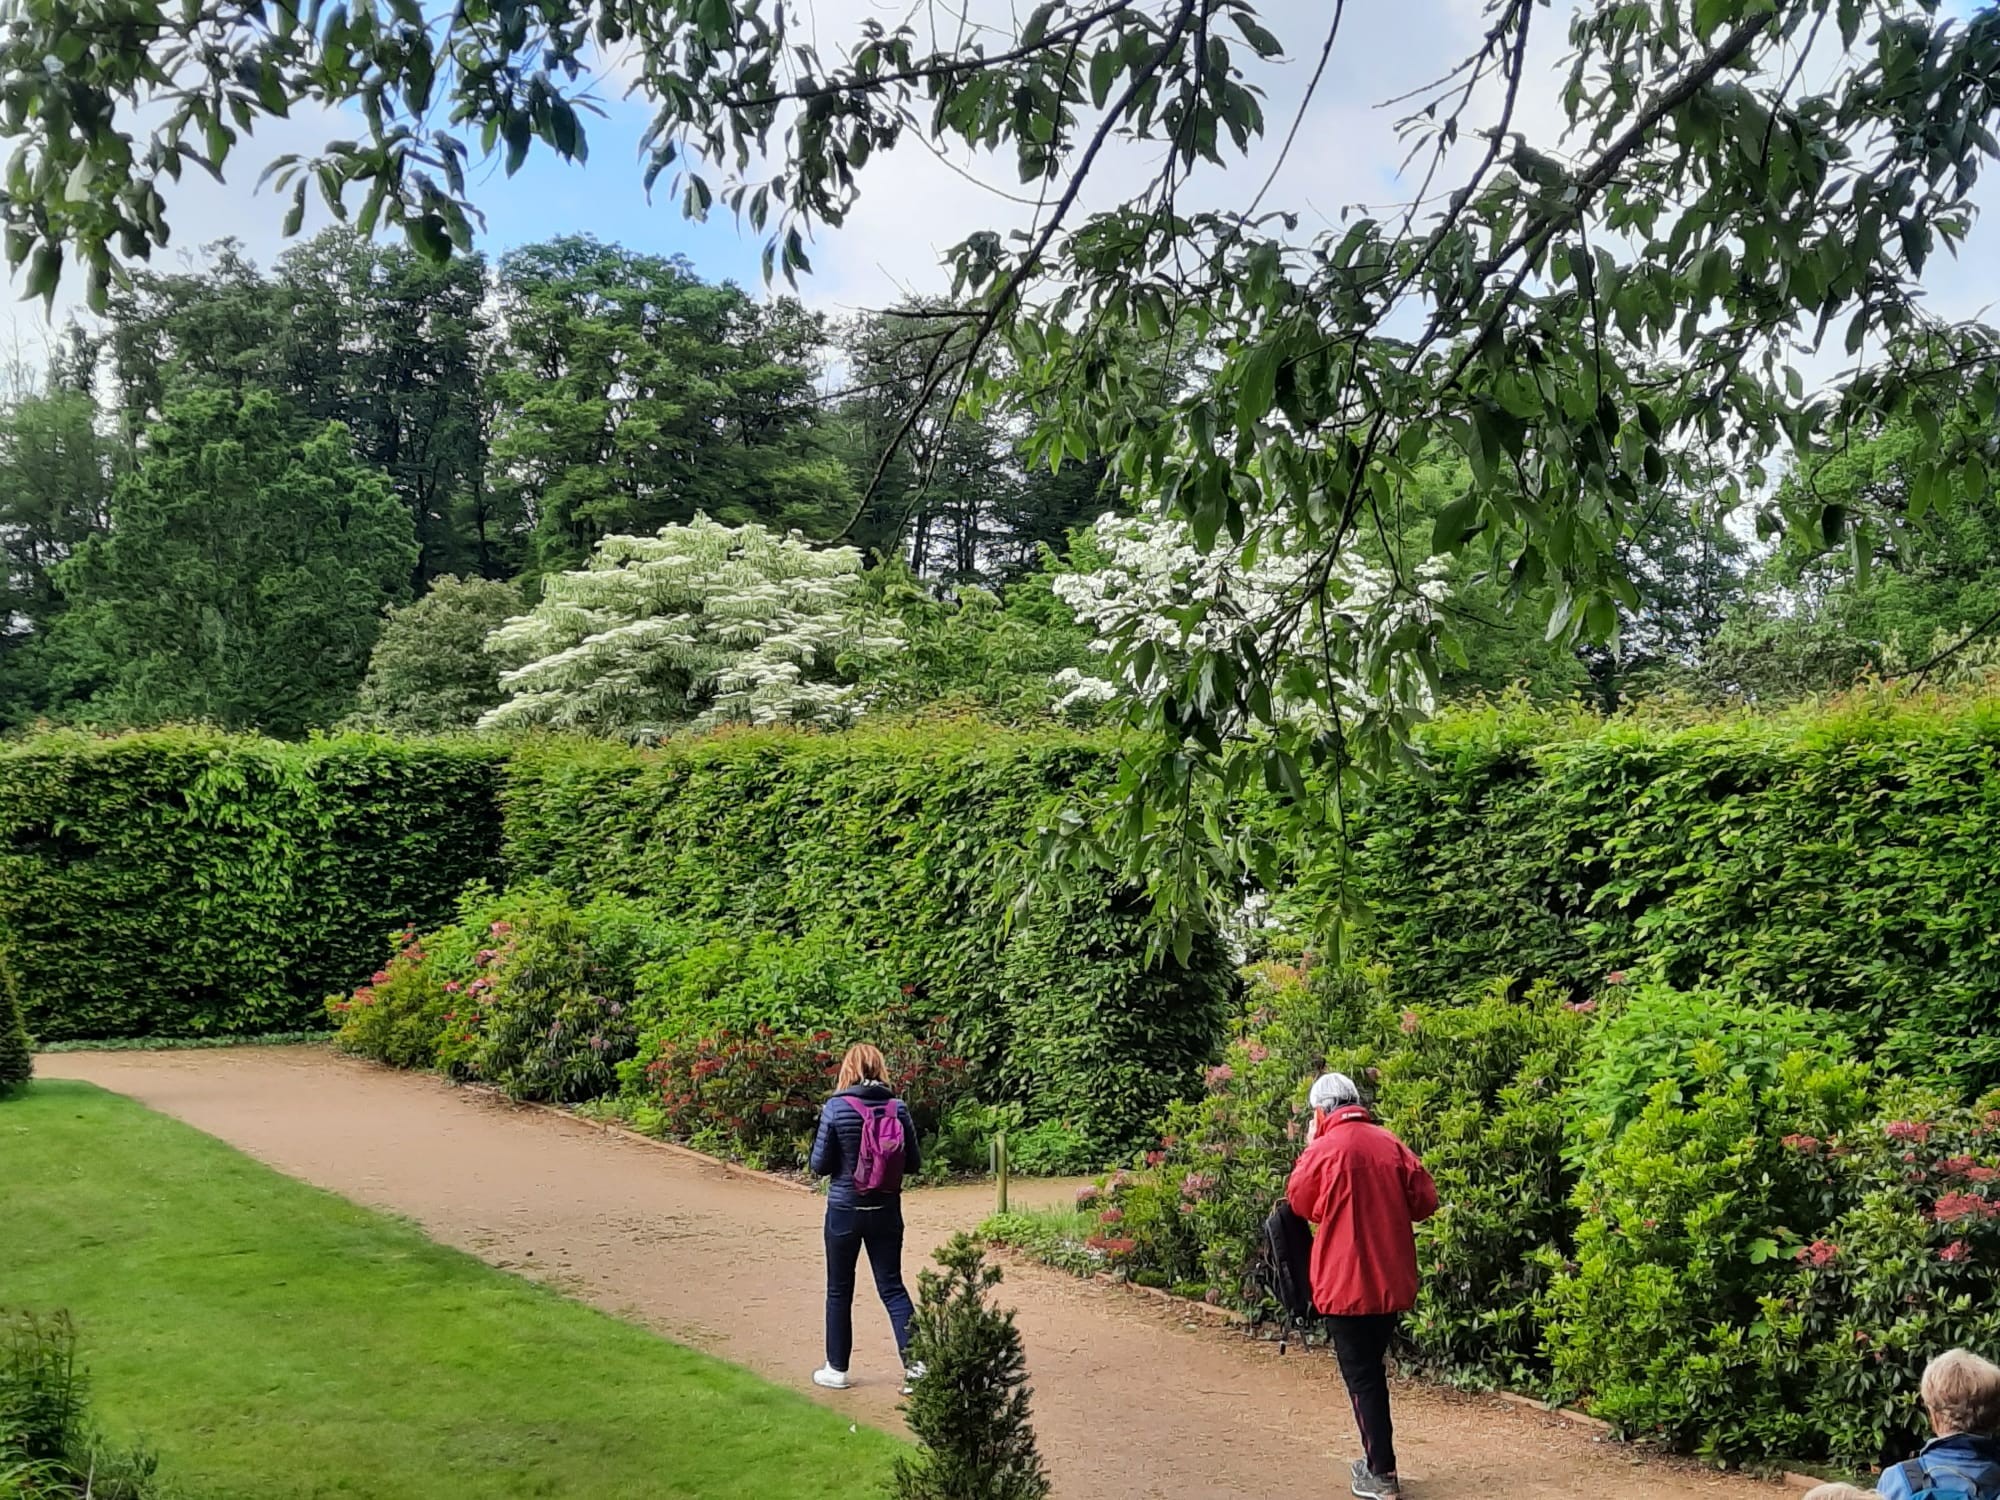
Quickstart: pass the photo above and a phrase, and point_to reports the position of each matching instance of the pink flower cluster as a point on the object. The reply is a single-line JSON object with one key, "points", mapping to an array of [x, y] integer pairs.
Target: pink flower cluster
{"points": [[1818, 1253], [1951, 1208], [1197, 1184]]}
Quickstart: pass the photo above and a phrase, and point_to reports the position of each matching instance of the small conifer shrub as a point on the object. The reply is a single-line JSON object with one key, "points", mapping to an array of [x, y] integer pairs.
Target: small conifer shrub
{"points": [[969, 1412]]}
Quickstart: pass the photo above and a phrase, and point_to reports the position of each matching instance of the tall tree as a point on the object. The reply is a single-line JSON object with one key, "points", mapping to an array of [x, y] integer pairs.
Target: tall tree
{"points": [[55, 492], [391, 345], [1927, 599], [629, 394], [215, 325], [344, 330], [945, 488], [243, 577]]}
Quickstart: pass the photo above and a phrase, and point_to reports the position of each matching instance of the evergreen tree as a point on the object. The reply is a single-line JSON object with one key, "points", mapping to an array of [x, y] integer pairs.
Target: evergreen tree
{"points": [[344, 330], [969, 1412], [431, 671], [17, 1049], [244, 576]]}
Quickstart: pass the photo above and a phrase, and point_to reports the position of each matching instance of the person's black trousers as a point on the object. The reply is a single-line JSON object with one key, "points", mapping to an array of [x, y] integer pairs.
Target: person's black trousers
{"points": [[1361, 1344], [847, 1230]]}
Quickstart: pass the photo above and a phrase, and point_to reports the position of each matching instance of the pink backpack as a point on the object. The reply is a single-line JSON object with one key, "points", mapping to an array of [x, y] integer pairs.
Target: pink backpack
{"points": [[880, 1166]]}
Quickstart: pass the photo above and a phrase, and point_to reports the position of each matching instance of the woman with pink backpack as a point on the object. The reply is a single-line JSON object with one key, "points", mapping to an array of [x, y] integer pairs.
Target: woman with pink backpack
{"points": [[866, 1144]]}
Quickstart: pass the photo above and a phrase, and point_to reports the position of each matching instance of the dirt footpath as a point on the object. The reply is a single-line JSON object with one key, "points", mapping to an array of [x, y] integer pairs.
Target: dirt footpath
{"points": [[1130, 1400]]}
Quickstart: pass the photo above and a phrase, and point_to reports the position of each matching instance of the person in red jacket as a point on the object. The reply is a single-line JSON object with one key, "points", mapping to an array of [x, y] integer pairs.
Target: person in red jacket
{"points": [[1364, 1192]]}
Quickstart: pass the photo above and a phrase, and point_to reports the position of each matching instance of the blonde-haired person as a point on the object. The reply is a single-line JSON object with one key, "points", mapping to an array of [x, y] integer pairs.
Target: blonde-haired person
{"points": [[1962, 1396], [1839, 1492], [866, 1144]]}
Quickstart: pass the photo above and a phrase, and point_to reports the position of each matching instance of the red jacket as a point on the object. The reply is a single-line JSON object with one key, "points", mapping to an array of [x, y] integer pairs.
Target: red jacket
{"points": [[1365, 1190]]}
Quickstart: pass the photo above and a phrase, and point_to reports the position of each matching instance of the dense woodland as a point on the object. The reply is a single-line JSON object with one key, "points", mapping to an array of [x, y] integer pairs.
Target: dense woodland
{"points": [[225, 496]]}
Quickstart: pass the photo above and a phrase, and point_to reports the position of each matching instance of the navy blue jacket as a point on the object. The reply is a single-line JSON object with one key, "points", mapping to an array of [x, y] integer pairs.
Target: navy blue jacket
{"points": [[1958, 1457], [837, 1146]]}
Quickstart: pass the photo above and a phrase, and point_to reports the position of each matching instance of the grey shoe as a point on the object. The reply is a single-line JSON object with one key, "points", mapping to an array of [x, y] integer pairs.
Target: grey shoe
{"points": [[1373, 1486]]}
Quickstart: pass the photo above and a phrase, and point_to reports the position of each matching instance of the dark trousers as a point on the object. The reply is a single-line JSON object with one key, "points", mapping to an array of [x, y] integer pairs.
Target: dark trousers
{"points": [[847, 1230], [1362, 1346]]}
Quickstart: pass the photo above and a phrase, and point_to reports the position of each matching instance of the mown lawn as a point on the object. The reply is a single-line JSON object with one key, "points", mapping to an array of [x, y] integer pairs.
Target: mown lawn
{"points": [[272, 1340]]}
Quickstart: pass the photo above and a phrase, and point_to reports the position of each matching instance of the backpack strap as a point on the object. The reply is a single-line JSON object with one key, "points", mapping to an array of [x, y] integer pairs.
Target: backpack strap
{"points": [[1985, 1480]]}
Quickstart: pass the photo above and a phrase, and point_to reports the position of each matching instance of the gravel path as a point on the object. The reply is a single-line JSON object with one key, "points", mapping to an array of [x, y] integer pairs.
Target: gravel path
{"points": [[1130, 1399]]}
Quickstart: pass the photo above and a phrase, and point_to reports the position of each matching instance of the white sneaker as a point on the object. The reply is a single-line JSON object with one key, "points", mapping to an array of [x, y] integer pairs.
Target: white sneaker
{"points": [[832, 1379], [912, 1373]]}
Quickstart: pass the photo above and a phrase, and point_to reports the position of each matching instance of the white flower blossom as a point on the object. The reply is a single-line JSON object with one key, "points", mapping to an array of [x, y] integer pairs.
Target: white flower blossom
{"points": [[1079, 689], [1159, 590]]}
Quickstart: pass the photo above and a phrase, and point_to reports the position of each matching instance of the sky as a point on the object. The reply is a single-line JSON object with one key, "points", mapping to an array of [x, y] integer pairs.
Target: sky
{"points": [[913, 206]]}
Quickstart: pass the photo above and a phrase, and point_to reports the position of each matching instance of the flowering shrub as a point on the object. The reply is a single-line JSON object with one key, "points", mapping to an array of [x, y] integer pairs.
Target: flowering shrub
{"points": [[411, 1010], [757, 1094], [519, 992], [1757, 1261], [1479, 1092], [752, 1095], [553, 1019], [1157, 597], [1907, 1267]]}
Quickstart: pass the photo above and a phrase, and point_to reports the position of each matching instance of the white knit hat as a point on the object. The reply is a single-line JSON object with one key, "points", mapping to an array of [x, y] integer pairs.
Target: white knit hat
{"points": [[1332, 1090]]}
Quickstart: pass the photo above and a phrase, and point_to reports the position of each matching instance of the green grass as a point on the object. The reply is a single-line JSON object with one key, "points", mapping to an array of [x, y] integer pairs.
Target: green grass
{"points": [[275, 1341]]}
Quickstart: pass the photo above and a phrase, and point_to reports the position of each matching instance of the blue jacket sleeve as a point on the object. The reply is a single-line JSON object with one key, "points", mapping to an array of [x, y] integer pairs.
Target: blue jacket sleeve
{"points": [[1892, 1485], [825, 1159], [913, 1160]]}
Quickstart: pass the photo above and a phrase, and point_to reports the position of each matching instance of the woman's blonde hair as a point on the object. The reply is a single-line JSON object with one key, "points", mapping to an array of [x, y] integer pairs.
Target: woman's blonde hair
{"points": [[862, 1062], [1962, 1393], [1839, 1492]]}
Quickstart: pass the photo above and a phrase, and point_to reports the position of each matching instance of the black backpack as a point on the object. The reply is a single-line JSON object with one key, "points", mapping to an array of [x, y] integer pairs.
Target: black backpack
{"points": [[1283, 1271]]}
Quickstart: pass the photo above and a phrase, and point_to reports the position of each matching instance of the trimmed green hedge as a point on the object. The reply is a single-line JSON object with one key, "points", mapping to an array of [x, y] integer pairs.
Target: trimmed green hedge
{"points": [[1842, 861], [184, 882], [188, 882], [901, 838]]}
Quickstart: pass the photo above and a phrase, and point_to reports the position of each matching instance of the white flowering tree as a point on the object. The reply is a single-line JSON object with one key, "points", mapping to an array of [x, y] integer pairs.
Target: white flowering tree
{"points": [[699, 625], [1157, 600]]}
